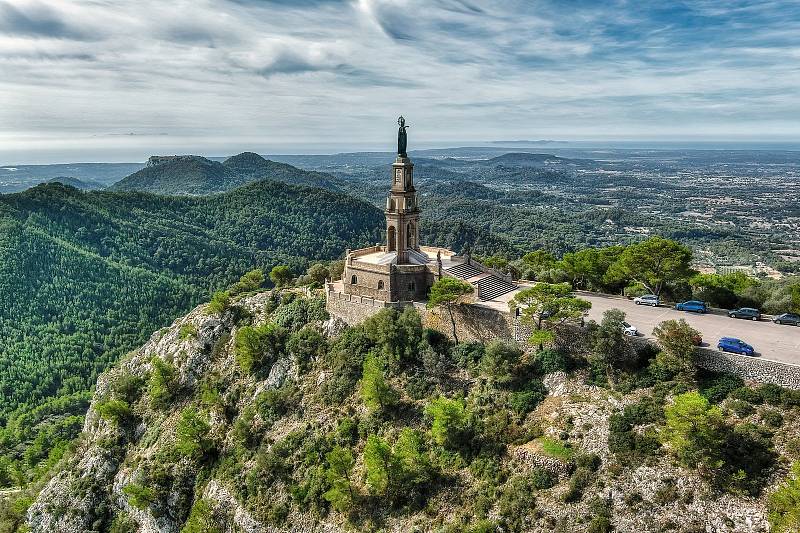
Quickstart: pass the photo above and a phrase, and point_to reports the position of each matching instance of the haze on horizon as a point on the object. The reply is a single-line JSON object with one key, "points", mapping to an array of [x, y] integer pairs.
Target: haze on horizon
{"points": [[113, 80]]}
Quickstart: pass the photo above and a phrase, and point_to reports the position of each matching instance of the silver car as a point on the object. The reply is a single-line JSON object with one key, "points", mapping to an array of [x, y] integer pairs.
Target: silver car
{"points": [[647, 299]]}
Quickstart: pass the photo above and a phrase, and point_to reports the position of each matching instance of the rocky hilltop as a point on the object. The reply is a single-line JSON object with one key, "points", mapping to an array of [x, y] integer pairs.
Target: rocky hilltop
{"points": [[197, 175], [259, 413]]}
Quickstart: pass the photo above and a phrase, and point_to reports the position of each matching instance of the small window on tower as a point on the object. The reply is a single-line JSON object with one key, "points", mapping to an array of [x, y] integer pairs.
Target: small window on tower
{"points": [[380, 285], [353, 280], [398, 175], [411, 286]]}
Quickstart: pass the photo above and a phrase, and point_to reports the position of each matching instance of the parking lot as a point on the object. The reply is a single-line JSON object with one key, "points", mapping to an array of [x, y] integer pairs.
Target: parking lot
{"points": [[771, 341]]}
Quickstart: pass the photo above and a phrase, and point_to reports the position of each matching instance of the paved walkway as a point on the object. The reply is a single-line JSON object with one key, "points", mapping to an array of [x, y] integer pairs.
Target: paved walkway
{"points": [[771, 341]]}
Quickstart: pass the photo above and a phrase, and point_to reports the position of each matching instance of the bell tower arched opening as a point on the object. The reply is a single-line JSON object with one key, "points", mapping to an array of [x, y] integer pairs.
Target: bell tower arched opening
{"points": [[391, 239]]}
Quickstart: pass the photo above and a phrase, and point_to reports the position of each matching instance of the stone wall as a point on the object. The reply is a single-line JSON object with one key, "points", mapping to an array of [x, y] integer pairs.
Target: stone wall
{"points": [[473, 323], [751, 368], [483, 324]]}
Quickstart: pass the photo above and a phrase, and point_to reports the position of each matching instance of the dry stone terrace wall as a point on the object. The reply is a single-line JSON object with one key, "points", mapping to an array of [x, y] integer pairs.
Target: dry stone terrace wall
{"points": [[751, 368]]}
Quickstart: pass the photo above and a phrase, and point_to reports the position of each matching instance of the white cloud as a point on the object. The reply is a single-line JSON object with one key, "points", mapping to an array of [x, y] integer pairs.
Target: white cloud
{"points": [[214, 73]]}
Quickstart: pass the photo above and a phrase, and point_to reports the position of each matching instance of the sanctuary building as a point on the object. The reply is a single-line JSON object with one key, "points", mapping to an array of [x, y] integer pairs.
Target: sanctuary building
{"points": [[400, 271]]}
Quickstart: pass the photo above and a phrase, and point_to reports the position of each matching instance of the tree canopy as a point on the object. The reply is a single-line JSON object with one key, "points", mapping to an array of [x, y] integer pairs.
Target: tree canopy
{"points": [[447, 292], [654, 262]]}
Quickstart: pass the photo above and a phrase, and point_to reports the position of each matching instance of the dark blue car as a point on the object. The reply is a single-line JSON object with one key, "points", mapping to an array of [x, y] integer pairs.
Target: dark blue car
{"points": [[734, 345], [695, 306]]}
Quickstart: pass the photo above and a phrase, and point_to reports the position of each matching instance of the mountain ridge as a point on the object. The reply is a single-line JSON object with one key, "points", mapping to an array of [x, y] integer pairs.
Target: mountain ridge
{"points": [[196, 175]]}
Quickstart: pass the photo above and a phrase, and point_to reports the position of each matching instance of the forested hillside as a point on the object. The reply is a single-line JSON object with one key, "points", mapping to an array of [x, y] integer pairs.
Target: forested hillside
{"points": [[87, 276], [260, 415], [195, 175]]}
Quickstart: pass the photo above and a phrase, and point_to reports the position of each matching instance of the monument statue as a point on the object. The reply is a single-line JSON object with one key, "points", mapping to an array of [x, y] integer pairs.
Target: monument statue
{"points": [[402, 139]]}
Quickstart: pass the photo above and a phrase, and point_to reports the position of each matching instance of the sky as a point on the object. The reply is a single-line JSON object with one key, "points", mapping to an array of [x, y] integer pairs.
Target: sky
{"points": [[109, 80]]}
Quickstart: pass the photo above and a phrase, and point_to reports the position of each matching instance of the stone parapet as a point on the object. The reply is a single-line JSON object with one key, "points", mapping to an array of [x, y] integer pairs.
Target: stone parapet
{"points": [[751, 368]]}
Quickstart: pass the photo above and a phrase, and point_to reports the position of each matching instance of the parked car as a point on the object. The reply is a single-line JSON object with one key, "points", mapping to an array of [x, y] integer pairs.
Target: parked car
{"points": [[787, 318], [745, 312], [695, 306], [629, 330], [647, 299], [734, 345]]}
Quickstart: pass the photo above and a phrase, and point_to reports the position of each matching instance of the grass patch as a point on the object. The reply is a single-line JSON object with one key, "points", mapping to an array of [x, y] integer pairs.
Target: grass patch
{"points": [[555, 448]]}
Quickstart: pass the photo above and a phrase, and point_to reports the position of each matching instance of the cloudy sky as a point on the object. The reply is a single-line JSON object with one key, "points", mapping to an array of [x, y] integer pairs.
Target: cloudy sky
{"points": [[109, 80]]}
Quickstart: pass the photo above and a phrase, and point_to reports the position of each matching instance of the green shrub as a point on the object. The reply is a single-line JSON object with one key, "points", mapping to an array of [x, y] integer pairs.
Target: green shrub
{"points": [[516, 503], [122, 523], [118, 412], [201, 519], [549, 361], [249, 282], [500, 360], [716, 387], [601, 519], [741, 408], [272, 404], [193, 433], [188, 331], [163, 383], [748, 395], [784, 504], [542, 479], [139, 496], [346, 431], [488, 469], [257, 348], [772, 418], [306, 345], [468, 355], [772, 394], [219, 302], [281, 275], [375, 391], [793, 448], [580, 479], [589, 461], [695, 431], [345, 358], [525, 401], [298, 312], [127, 387], [448, 421]]}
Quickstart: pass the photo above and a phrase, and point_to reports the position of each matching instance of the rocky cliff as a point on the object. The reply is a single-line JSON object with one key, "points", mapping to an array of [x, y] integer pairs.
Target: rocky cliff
{"points": [[114, 451]]}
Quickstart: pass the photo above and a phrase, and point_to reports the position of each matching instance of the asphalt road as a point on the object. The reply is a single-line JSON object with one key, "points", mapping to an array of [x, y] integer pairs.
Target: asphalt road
{"points": [[771, 341]]}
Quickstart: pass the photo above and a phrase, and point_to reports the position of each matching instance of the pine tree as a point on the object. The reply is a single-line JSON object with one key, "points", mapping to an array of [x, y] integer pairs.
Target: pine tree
{"points": [[380, 465], [340, 466], [376, 393]]}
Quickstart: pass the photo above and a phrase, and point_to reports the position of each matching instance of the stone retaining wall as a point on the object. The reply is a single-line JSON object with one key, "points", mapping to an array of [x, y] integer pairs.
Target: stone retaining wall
{"points": [[483, 324], [751, 368], [473, 322]]}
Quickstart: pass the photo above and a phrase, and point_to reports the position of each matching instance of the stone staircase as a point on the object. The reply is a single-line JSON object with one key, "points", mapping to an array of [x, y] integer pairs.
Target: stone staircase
{"points": [[488, 286], [464, 271], [492, 287]]}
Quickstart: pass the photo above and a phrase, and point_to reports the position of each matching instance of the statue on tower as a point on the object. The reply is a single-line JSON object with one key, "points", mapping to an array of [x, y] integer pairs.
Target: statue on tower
{"points": [[402, 139]]}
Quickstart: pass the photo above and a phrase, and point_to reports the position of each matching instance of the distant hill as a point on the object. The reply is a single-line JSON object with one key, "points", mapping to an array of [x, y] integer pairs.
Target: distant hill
{"points": [[84, 185], [87, 276], [525, 159], [196, 175]]}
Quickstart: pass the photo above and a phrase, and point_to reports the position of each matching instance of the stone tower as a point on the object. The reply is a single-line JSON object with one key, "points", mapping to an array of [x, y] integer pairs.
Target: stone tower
{"points": [[402, 211]]}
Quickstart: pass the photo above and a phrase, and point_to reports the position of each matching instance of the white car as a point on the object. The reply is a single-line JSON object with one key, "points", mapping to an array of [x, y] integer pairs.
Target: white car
{"points": [[629, 330], [647, 299]]}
